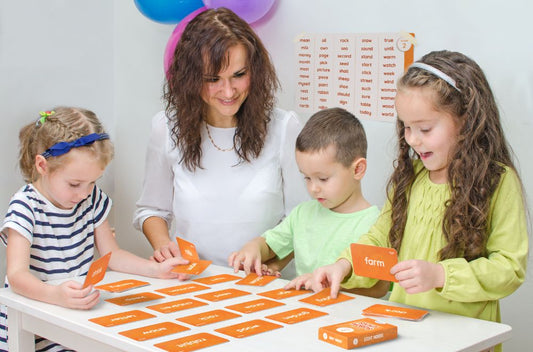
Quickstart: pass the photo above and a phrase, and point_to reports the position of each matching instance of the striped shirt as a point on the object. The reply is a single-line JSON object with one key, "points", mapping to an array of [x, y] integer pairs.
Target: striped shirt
{"points": [[62, 240]]}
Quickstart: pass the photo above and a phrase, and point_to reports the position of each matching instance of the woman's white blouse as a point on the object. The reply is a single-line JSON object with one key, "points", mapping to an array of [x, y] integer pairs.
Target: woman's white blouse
{"points": [[225, 204]]}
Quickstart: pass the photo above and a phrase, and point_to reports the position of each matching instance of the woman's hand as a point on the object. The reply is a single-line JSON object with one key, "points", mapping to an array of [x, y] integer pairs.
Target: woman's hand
{"points": [[170, 250]]}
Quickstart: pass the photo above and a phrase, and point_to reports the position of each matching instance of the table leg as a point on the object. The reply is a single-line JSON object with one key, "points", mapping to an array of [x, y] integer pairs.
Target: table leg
{"points": [[18, 339]]}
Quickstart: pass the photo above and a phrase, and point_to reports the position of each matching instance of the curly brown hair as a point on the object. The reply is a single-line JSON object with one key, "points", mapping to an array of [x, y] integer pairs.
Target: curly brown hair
{"points": [[481, 146], [203, 50], [65, 124]]}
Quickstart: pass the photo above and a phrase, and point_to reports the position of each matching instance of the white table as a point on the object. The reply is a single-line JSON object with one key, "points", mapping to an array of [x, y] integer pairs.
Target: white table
{"points": [[436, 332]]}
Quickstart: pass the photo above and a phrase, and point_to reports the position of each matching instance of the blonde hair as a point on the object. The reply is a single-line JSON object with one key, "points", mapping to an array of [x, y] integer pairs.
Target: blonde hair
{"points": [[66, 124]]}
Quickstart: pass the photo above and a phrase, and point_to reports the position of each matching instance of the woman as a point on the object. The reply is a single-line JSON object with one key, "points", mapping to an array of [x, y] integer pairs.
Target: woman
{"points": [[220, 159]]}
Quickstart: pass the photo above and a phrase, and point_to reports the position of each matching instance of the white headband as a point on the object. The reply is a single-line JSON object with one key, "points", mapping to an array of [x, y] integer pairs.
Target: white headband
{"points": [[437, 73]]}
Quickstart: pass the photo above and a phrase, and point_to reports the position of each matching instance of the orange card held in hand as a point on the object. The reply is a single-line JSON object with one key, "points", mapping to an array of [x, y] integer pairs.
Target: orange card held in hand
{"points": [[382, 310], [191, 342], [248, 328], [323, 298], [373, 261], [97, 270], [188, 251]]}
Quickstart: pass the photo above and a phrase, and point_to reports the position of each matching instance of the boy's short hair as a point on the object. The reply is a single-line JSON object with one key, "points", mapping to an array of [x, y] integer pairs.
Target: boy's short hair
{"points": [[334, 126]]}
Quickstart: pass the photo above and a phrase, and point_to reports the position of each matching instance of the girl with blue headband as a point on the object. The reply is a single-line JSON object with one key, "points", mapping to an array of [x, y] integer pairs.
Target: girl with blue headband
{"points": [[56, 220]]}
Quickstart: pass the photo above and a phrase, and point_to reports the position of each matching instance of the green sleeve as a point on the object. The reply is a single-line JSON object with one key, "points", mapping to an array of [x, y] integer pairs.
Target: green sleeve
{"points": [[280, 239], [503, 270]]}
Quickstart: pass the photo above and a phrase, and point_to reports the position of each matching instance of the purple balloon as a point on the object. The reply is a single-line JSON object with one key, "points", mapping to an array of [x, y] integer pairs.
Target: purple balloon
{"points": [[248, 10], [176, 35]]}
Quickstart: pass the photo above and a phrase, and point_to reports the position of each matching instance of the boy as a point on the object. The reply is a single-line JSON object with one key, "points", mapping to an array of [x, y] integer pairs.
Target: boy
{"points": [[331, 154]]}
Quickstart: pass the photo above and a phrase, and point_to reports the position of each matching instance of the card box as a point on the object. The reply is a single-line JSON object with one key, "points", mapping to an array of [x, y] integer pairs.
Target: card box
{"points": [[357, 333]]}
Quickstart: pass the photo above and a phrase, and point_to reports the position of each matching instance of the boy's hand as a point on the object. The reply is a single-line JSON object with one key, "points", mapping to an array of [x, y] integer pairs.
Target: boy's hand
{"points": [[170, 250], [248, 258], [417, 276], [70, 294], [270, 270], [302, 281]]}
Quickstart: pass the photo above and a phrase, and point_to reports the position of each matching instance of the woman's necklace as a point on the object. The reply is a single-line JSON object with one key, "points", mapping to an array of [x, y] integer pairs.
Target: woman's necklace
{"points": [[213, 142]]}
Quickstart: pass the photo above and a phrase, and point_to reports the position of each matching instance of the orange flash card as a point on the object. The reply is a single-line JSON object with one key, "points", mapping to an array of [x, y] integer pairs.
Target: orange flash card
{"points": [[253, 279], [323, 298], [281, 293], [357, 333], [255, 306], [153, 331], [217, 279], [124, 285], [248, 328], [210, 317], [381, 310], [222, 295], [175, 306], [97, 270], [373, 261], [188, 250], [191, 342], [181, 289], [193, 268], [122, 318], [132, 299], [296, 315]]}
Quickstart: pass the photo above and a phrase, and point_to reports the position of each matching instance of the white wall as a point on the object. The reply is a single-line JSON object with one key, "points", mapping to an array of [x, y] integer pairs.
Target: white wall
{"points": [[106, 56]]}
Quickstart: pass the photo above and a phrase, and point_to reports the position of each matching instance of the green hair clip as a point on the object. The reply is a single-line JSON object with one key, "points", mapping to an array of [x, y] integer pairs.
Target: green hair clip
{"points": [[44, 115]]}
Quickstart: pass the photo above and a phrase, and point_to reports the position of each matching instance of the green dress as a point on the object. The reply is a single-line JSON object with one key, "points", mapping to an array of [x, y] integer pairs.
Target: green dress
{"points": [[471, 288]]}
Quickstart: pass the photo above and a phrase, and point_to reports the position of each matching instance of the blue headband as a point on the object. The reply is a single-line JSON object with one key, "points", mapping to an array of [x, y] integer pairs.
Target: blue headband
{"points": [[65, 147]]}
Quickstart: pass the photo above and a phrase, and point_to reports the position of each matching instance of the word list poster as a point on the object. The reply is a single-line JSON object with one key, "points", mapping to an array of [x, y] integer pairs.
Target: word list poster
{"points": [[357, 72]]}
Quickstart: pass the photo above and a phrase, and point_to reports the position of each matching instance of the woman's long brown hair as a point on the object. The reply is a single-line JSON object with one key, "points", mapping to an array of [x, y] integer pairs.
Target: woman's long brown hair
{"points": [[203, 50], [477, 160]]}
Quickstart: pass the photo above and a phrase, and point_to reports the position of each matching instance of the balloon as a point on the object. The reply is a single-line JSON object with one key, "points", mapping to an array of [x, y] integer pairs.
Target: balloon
{"points": [[167, 11], [248, 10], [176, 35]]}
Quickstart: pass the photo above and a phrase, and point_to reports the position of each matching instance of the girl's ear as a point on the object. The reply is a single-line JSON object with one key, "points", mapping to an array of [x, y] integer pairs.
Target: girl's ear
{"points": [[359, 168], [41, 164]]}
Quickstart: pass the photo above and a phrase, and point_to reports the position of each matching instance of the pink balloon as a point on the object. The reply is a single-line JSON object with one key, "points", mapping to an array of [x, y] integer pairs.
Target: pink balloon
{"points": [[248, 10], [176, 35]]}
